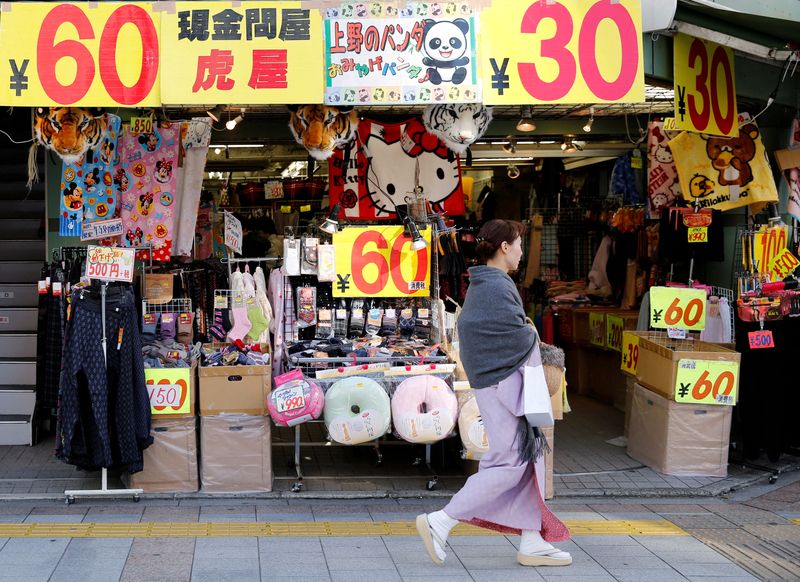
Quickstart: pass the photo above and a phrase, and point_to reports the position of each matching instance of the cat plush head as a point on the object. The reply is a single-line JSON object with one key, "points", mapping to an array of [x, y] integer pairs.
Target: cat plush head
{"points": [[458, 125], [321, 128], [68, 131]]}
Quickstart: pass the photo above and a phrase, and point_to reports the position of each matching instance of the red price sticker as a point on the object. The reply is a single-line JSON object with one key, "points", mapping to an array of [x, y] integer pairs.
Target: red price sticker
{"points": [[783, 264], [630, 352], [597, 329], [548, 52], [705, 93], [168, 390], [614, 325], [698, 234], [760, 339], [676, 307], [98, 53], [707, 382], [380, 262]]}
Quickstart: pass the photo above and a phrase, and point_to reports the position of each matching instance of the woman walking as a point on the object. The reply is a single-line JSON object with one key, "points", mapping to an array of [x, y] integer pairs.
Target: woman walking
{"points": [[496, 342]]}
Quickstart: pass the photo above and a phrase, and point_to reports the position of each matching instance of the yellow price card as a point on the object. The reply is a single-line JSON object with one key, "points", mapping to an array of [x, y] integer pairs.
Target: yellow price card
{"points": [[707, 382]]}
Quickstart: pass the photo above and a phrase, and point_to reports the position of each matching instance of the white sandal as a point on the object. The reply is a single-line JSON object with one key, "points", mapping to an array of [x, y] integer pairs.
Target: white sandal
{"points": [[548, 557], [428, 536]]}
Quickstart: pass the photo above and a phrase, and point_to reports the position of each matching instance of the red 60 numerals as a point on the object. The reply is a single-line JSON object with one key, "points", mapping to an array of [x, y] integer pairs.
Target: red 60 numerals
{"points": [[71, 17], [361, 257], [556, 48]]}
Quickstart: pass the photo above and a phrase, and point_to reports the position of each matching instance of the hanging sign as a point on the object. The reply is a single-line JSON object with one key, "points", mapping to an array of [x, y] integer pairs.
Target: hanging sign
{"points": [[101, 229], [677, 307], [141, 125], [614, 325], [242, 52], [169, 391], [565, 51], [379, 262], [707, 382], [87, 53], [760, 339], [783, 264], [705, 91], [233, 233], [597, 329], [697, 234], [415, 54], [630, 353], [769, 244], [110, 263]]}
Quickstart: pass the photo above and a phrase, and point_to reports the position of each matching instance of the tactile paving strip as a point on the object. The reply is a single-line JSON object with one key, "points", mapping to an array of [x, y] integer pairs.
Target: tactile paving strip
{"points": [[305, 528], [767, 560]]}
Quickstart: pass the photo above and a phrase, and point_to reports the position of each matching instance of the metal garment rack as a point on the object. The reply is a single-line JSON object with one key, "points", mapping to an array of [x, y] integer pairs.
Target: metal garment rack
{"points": [[236, 260], [172, 306]]}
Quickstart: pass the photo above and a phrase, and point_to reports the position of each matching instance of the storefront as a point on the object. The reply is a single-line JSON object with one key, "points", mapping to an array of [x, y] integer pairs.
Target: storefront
{"points": [[297, 269]]}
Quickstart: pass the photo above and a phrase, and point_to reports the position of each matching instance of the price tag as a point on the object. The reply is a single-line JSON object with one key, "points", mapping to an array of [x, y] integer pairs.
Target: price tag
{"points": [[233, 233], [110, 263], [290, 398], [99, 53], [168, 390], [630, 352], [286, 209], [379, 262], [783, 265], [760, 339], [614, 325], [597, 329], [220, 302], [544, 52], [676, 333], [698, 234], [305, 208], [141, 125], [705, 92], [676, 307], [707, 382], [769, 244], [101, 229]]}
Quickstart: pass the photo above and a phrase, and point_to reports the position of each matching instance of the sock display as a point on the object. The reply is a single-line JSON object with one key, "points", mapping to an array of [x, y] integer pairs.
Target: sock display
{"points": [[241, 323], [168, 327], [149, 325], [258, 323], [185, 327], [222, 323]]}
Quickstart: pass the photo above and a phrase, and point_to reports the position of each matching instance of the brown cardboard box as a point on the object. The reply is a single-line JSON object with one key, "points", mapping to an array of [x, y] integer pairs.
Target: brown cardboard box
{"points": [[170, 463], [679, 439], [235, 390], [659, 357], [183, 379], [236, 453]]}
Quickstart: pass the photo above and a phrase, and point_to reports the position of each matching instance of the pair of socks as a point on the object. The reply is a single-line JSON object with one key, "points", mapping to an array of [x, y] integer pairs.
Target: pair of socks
{"points": [[169, 323], [185, 327], [258, 322], [222, 323], [241, 323], [149, 326]]}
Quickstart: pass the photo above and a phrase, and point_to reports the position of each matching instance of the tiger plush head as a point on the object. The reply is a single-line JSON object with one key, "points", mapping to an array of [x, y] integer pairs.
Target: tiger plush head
{"points": [[68, 131], [458, 125], [321, 129]]}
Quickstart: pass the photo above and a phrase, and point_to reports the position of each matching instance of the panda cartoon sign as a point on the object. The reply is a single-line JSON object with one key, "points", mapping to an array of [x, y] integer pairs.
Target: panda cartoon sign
{"points": [[427, 55]]}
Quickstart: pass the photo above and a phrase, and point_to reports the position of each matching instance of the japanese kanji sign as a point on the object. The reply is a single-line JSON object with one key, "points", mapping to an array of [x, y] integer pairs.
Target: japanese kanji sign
{"points": [[89, 53], [250, 52], [419, 53]]}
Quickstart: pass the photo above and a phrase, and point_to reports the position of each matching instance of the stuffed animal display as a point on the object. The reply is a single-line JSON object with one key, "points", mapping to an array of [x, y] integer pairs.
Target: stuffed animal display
{"points": [[458, 125], [68, 131], [321, 129]]}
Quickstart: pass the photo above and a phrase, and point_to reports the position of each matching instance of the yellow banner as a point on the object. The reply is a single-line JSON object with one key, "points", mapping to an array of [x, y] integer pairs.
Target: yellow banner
{"points": [[379, 261], [630, 353], [242, 52], [705, 88], [707, 382], [169, 390], [91, 54], [566, 51]]}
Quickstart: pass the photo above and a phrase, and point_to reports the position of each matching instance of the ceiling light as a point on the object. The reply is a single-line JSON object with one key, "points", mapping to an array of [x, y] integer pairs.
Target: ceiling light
{"points": [[526, 121], [511, 146], [569, 146], [217, 150], [232, 123], [331, 224], [588, 127], [216, 112]]}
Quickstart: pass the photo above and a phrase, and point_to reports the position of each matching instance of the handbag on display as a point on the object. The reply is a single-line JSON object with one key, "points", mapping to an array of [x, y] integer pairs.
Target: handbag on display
{"points": [[536, 397]]}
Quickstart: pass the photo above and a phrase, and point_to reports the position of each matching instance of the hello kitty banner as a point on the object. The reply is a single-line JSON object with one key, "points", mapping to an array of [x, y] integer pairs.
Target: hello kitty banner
{"points": [[384, 53], [663, 186], [381, 170]]}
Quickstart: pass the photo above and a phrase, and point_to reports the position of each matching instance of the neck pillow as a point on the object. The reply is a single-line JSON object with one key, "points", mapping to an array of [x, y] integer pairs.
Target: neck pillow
{"points": [[295, 400], [357, 410], [424, 409]]}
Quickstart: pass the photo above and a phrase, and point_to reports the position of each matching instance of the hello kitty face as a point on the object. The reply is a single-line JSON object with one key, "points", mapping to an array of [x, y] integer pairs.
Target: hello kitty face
{"points": [[438, 94], [363, 95], [659, 200], [664, 154]]}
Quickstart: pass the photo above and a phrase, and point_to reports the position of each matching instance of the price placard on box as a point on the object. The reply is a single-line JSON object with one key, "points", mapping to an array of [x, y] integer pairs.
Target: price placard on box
{"points": [[707, 382], [597, 329], [614, 325], [705, 92], [169, 390], [379, 262], [677, 307], [110, 263], [630, 352]]}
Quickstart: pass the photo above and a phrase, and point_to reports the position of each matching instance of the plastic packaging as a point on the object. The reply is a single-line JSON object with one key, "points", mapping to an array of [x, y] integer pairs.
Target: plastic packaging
{"points": [[357, 410], [295, 400], [236, 453], [424, 409]]}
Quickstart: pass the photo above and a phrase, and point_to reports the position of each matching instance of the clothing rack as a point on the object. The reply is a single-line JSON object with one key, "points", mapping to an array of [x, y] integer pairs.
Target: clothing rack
{"points": [[172, 306], [236, 260]]}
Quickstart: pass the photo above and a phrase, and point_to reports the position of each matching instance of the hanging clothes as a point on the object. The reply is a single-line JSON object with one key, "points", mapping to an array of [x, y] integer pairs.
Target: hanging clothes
{"points": [[195, 137]]}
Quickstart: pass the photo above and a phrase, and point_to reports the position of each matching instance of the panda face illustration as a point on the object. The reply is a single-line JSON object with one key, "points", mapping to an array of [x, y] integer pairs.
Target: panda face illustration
{"points": [[361, 10], [438, 94], [347, 10], [332, 12], [363, 95], [422, 9], [436, 10], [446, 41], [453, 93], [394, 95], [376, 9], [406, 12], [390, 11], [350, 96], [334, 98], [424, 94], [409, 96]]}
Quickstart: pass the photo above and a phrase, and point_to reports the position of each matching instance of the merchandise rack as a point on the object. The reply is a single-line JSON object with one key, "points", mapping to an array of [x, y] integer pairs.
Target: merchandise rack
{"points": [[310, 365], [172, 306]]}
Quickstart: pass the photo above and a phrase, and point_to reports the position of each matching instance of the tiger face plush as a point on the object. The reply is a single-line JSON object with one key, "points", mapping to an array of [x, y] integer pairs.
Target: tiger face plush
{"points": [[321, 129], [459, 125], [68, 131]]}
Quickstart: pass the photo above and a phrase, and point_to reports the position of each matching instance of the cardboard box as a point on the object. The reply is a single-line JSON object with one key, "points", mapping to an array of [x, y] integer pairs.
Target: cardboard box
{"points": [[170, 463], [235, 390], [172, 385], [235, 453], [659, 357], [629, 388], [679, 439]]}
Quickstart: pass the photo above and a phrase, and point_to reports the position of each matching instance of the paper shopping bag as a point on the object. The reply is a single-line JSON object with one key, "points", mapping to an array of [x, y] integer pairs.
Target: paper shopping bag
{"points": [[538, 409]]}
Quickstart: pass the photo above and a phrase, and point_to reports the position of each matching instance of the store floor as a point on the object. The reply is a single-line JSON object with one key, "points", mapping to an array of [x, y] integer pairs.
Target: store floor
{"points": [[586, 465]]}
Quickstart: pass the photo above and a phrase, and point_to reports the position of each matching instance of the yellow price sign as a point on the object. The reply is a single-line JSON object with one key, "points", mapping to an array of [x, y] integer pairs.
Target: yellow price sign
{"points": [[597, 329], [783, 265], [707, 382], [630, 353], [141, 125], [169, 390], [674, 307], [614, 325], [379, 261], [570, 51], [705, 92], [698, 234], [769, 244]]}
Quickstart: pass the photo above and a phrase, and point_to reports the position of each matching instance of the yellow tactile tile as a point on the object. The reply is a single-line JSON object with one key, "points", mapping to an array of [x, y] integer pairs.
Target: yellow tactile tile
{"points": [[795, 521], [303, 528]]}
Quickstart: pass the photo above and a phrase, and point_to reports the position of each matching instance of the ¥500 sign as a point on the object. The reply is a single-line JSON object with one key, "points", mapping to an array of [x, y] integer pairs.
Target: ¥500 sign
{"points": [[565, 51], [379, 262], [110, 263], [706, 382], [672, 307]]}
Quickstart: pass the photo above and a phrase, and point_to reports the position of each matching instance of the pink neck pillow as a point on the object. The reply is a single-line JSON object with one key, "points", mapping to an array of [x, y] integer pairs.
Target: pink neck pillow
{"points": [[295, 400], [424, 409]]}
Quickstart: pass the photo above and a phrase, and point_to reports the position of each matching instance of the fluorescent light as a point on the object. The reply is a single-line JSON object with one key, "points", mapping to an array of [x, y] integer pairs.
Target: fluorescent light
{"points": [[238, 145]]}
